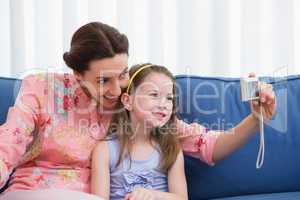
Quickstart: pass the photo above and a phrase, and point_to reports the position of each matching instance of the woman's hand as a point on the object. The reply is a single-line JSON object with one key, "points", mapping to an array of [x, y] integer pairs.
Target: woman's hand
{"points": [[141, 194], [267, 100]]}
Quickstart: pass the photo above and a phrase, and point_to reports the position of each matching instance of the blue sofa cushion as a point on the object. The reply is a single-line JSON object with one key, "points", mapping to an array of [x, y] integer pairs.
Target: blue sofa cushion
{"points": [[274, 196], [215, 103], [9, 88]]}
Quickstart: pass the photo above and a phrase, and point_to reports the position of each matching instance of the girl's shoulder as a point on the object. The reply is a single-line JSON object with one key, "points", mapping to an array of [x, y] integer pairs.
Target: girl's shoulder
{"points": [[113, 144], [101, 150], [108, 147]]}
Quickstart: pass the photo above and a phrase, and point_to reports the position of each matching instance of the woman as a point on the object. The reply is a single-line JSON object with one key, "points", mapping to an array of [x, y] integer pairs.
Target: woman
{"points": [[58, 118]]}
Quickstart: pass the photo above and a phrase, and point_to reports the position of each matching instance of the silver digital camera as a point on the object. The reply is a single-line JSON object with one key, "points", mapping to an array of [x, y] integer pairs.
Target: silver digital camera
{"points": [[249, 88]]}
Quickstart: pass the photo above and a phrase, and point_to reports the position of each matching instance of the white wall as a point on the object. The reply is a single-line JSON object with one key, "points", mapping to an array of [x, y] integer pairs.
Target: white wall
{"points": [[199, 37]]}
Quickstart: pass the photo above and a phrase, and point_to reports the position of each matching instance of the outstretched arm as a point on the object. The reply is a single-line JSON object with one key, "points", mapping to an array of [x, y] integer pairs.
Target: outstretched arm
{"points": [[214, 146], [231, 140]]}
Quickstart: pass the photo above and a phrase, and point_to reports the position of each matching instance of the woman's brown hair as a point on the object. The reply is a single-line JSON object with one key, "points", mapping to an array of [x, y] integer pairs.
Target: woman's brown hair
{"points": [[165, 137], [94, 41]]}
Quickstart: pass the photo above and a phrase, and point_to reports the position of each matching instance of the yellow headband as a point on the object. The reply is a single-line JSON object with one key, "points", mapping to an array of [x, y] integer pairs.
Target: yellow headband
{"points": [[134, 75]]}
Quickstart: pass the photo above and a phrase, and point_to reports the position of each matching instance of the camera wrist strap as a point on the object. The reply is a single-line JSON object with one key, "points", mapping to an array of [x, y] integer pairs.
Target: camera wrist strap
{"points": [[261, 152]]}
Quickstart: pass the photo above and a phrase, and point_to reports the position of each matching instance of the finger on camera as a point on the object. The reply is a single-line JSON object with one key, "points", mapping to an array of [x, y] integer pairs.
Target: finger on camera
{"points": [[265, 86], [251, 75]]}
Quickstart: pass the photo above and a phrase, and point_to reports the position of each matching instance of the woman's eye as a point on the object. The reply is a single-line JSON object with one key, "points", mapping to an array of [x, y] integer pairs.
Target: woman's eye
{"points": [[102, 81], [124, 75]]}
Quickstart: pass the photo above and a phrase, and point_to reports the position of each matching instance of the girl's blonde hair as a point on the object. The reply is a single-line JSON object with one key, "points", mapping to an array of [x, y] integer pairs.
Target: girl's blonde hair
{"points": [[165, 136]]}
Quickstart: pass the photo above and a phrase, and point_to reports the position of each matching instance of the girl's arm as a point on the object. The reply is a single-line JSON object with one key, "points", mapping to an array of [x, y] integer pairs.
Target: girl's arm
{"points": [[176, 183], [100, 181]]}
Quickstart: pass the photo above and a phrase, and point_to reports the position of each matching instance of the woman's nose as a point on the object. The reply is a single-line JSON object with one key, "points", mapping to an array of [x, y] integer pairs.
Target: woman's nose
{"points": [[115, 88]]}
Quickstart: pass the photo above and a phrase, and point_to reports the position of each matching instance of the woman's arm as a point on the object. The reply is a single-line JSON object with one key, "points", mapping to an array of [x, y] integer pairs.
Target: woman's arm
{"points": [[229, 141], [100, 178], [22, 119], [176, 184], [213, 146]]}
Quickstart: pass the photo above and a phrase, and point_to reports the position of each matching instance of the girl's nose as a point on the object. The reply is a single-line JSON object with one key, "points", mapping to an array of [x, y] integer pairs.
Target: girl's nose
{"points": [[162, 103]]}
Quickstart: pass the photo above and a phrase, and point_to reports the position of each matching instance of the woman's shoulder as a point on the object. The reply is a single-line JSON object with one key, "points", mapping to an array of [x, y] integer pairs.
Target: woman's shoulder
{"points": [[47, 83], [49, 80], [51, 76]]}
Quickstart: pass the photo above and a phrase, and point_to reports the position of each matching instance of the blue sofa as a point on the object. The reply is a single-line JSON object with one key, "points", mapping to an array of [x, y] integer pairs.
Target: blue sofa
{"points": [[215, 103]]}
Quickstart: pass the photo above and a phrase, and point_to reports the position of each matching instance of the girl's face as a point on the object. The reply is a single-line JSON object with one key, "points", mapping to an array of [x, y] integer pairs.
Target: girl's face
{"points": [[152, 101], [105, 79]]}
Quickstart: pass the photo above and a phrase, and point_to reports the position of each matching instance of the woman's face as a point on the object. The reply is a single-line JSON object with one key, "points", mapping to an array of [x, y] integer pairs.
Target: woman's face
{"points": [[105, 79]]}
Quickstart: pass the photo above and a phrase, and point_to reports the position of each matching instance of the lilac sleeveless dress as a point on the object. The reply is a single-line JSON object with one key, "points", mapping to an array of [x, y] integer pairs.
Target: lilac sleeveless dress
{"points": [[127, 176]]}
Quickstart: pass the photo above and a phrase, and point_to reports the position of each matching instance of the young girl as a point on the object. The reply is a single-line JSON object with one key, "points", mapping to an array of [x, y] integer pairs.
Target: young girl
{"points": [[141, 158]]}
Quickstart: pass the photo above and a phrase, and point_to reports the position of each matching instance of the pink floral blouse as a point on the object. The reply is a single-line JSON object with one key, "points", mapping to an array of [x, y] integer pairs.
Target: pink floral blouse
{"points": [[52, 129]]}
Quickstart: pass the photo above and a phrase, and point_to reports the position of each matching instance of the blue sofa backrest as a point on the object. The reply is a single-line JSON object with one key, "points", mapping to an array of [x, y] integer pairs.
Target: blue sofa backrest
{"points": [[9, 88], [215, 103]]}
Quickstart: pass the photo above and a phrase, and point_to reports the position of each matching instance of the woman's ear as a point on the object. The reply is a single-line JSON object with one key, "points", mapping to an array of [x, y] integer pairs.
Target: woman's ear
{"points": [[125, 99], [77, 75]]}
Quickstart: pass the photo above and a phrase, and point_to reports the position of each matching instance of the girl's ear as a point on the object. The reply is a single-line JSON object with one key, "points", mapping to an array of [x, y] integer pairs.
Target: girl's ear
{"points": [[125, 99]]}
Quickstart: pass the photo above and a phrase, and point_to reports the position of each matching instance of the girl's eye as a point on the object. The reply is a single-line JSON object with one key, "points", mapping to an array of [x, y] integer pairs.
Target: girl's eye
{"points": [[170, 98], [153, 94]]}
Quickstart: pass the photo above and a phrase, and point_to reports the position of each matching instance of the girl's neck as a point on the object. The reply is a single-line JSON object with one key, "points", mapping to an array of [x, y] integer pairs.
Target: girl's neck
{"points": [[141, 133]]}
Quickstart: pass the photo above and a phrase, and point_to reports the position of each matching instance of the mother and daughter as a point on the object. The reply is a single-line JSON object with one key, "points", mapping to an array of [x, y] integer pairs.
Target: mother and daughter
{"points": [[123, 119]]}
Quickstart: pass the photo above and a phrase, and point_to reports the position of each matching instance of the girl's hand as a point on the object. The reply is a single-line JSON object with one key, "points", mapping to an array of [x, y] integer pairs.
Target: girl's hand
{"points": [[267, 100], [141, 194]]}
